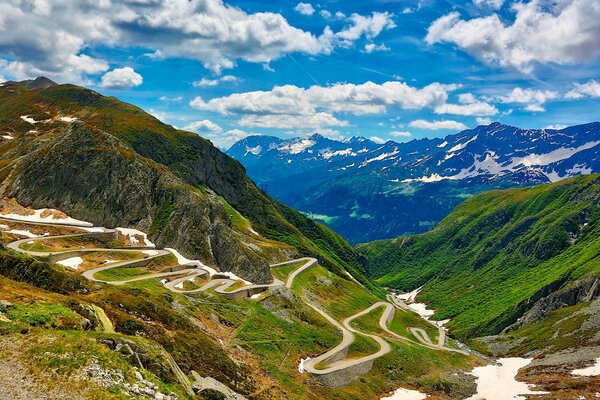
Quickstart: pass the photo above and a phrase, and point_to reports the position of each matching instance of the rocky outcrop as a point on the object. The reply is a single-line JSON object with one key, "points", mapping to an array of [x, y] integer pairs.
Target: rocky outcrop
{"points": [[211, 389], [578, 292]]}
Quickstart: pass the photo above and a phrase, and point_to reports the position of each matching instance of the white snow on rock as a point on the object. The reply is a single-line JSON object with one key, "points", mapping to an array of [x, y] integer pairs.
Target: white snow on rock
{"points": [[68, 119], [442, 144], [28, 119], [589, 371], [301, 365], [255, 296], [37, 217], [253, 150], [410, 296], [328, 154], [93, 229], [498, 382], [7, 137], [406, 394], [132, 233], [211, 271], [298, 147], [380, 157], [73, 262], [150, 252], [24, 232]]}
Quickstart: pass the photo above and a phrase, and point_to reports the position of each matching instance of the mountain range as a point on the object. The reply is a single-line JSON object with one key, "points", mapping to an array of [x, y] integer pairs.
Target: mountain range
{"points": [[367, 191]]}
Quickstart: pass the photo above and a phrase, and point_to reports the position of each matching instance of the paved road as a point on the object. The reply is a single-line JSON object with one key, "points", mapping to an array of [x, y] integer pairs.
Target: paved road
{"points": [[334, 361]]}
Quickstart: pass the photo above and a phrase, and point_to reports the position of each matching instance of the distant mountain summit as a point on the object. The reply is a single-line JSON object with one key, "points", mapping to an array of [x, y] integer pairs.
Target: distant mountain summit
{"points": [[40, 82], [371, 191]]}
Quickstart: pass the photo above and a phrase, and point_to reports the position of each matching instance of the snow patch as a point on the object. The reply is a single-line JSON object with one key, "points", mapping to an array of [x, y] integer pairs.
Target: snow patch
{"points": [[68, 119], [37, 217], [132, 233], [26, 233], [442, 144], [150, 252], [28, 119], [72, 262], [253, 150], [7, 137], [255, 296], [298, 147], [301, 365], [498, 382], [406, 394], [589, 371]]}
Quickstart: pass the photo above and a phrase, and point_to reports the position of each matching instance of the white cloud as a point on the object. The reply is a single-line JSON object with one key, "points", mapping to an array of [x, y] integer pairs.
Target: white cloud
{"points": [[589, 89], [304, 8], [203, 126], [377, 139], [408, 10], [293, 106], [470, 105], [175, 99], [437, 125], [227, 139], [121, 78], [532, 97], [483, 121], [283, 121], [43, 38], [556, 127], [325, 14], [562, 32], [494, 4], [340, 15], [371, 47], [401, 134], [205, 82]]}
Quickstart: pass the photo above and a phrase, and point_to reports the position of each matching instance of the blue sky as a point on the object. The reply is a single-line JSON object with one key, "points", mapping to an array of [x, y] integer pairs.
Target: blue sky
{"points": [[383, 69]]}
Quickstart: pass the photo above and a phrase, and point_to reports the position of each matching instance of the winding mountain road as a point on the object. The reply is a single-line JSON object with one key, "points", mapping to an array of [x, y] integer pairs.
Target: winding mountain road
{"points": [[332, 368]]}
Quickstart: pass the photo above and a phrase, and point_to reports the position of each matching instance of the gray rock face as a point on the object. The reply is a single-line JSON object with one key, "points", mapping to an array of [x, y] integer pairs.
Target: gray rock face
{"points": [[93, 176], [210, 388], [579, 292]]}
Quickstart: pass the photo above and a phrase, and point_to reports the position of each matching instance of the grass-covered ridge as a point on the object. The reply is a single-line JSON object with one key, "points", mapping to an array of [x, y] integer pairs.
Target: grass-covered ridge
{"points": [[497, 252]]}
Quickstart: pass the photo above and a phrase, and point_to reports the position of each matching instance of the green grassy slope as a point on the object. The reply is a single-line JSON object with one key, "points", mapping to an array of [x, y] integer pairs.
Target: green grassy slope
{"points": [[497, 253], [192, 158]]}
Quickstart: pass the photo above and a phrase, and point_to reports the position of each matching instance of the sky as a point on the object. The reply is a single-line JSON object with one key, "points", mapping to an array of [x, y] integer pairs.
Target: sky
{"points": [[383, 69]]}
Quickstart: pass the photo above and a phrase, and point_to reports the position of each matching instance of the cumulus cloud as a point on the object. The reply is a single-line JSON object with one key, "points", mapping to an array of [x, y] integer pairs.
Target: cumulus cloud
{"points": [[204, 125], [401, 134], [121, 78], [532, 97], [371, 47], [227, 139], [494, 4], [589, 89], [304, 8], [562, 32], [483, 121], [205, 82], [175, 99], [293, 106], [469, 105], [377, 139], [325, 14], [42, 37], [437, 125]]}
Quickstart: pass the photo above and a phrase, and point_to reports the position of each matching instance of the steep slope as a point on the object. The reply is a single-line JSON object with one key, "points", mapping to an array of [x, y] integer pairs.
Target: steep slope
{"points": [[103, 160], [498, 253], [369, 191]]}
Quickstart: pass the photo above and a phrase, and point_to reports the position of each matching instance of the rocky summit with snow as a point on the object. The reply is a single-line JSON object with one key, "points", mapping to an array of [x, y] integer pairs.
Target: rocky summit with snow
{"points": [[367, 190]]}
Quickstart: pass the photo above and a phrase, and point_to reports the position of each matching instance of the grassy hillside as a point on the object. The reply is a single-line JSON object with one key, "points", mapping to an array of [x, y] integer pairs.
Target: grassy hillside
{"points": [[202, 171], [486, 263]]}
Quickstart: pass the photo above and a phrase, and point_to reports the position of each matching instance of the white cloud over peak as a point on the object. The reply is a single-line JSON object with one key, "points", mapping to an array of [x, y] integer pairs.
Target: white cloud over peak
{"points": [[121, 78], [437, 125], [562, 32], [534, 98], [589, 89], [226, 139], [293, 106], [469, 105], [400, 134], [377, 139], [304, 8], [204, 125]]}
